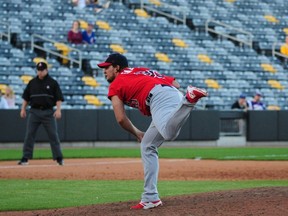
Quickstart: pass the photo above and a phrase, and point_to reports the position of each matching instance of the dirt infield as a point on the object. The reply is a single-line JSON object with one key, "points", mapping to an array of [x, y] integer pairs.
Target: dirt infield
{"points": [[253, 202]]}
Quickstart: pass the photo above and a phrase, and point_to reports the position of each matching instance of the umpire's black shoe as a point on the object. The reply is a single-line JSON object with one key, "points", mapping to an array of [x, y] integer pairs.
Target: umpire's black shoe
{"points": [[60, 161], [23, 161]]}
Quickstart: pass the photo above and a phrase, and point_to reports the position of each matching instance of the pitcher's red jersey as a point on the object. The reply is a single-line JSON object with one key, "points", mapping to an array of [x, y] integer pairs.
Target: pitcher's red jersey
{"points": [[133, 85]]}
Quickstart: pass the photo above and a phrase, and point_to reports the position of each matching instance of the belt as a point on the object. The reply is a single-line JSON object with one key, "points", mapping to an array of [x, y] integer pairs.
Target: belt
{"points": [[163, 85], [148, 99], [41, 107]]}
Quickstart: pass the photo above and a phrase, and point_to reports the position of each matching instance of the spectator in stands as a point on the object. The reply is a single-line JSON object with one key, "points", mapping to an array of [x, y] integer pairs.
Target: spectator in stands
{"points": [[256, 103], [97, 6], [241, 103], [3, 102], [75, 34], [88, 35], [80, 3], [10, 97]]}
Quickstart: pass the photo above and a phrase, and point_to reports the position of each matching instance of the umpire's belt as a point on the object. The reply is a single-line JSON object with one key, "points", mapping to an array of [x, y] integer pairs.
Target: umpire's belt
{"points": [[41, 107]]}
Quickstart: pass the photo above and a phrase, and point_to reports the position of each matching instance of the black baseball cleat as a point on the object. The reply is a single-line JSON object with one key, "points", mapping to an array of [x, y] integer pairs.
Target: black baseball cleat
{"points": [[60, 161], [23, 161]]}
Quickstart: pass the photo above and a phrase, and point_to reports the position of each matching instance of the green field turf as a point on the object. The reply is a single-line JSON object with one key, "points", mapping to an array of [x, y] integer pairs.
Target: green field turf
{"points": [[217, 153], [48, 194]]}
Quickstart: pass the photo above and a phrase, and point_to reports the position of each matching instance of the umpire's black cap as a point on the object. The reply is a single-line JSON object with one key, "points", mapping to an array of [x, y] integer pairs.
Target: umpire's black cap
{"points": [[41, 66], [114, 59]]}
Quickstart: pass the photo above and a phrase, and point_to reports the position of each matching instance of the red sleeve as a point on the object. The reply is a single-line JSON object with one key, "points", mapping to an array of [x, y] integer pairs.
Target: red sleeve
{"points": [[113, 90]]}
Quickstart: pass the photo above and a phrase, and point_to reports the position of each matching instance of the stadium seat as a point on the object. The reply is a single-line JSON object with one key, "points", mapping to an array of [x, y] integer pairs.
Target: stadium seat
{"points": [[26, 78], [92, 99]]}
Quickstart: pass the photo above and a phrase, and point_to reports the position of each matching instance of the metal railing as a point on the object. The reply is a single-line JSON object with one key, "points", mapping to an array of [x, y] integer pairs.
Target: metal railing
{"points": [[8, 34], [71, 59], [248, 42], [275, 52], [148, 7]]}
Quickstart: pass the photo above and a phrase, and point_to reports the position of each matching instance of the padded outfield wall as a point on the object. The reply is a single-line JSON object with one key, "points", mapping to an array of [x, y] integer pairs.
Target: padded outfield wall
{"points": [[100, 125]]}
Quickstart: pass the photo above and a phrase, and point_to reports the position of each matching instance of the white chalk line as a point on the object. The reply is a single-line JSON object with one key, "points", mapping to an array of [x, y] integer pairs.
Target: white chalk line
{"points": [[255, 156], [80, 164]]}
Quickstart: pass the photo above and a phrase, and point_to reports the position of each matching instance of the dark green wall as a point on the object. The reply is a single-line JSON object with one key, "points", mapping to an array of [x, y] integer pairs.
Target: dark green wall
{"points": [[100, 125]]}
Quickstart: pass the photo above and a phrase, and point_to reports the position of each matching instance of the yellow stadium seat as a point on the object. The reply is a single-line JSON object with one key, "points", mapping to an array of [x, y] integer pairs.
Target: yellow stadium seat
{"points": [[141, 13], [162, 57], [211, 83], [83, 24], [3, 88], [275, 84], [285, 30], [268, 68], [90, 81], [155, 2], [36, 60], [273, 107], [103, 25], [26, 78], [205, 58], [61, 46], [118, 48], [284, 49], [230, 1], [271, 19], [64, 49], [179, 42], [92, 99]]}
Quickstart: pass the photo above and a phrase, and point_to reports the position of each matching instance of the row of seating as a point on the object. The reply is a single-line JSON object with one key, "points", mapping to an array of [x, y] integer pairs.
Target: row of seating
{"points": [[196, 57]]}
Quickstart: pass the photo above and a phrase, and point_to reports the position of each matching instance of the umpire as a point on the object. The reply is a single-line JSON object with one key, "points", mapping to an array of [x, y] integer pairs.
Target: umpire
{"points": [[42, 93]]}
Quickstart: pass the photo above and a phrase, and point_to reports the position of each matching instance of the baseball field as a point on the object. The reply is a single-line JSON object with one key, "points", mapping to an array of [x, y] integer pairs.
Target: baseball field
{"points": [[107, 181]]}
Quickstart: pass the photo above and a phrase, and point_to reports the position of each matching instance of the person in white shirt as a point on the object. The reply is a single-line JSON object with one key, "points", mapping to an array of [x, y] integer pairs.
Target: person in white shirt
{"points": [[256, 103], [3, 102]]}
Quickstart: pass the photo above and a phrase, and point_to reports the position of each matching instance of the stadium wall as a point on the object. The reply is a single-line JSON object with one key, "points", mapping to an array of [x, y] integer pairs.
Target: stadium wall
{"points": [[100, 125]]}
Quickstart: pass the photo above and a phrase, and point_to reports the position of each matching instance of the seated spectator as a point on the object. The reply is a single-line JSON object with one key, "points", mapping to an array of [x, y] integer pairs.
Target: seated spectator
{"points": [[88, 35], [3, 102], [97, 6], [80, 3], [256, 103], [10, 97], [241, 103], [74, 34]]}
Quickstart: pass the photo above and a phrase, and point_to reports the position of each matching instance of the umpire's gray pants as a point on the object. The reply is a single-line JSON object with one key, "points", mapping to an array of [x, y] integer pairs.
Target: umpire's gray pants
{"points": [[170, 110], [35, 118]]}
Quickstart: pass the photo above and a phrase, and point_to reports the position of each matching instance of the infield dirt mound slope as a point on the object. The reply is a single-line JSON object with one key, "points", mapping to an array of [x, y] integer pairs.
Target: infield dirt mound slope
{"points": [[253, 202]]}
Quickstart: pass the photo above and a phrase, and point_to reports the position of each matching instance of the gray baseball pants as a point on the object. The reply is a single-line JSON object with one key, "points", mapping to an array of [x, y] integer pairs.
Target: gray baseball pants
{"points": [[35, 118], [170, 110]]}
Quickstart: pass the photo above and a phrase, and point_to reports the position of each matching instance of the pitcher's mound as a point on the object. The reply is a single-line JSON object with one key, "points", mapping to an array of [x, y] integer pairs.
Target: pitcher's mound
{"points": [[246, 202]]}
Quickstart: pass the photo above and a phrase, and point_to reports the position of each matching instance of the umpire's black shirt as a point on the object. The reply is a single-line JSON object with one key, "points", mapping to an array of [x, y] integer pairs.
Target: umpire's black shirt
{"points": [[42, 94]]}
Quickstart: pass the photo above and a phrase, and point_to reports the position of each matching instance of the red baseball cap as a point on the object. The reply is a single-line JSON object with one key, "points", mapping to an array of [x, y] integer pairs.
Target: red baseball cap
{"points": [[114, 59]]}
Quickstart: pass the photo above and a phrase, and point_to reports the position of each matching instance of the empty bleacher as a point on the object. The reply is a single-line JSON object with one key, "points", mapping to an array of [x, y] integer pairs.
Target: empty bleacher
{"points": [[187, 52]]}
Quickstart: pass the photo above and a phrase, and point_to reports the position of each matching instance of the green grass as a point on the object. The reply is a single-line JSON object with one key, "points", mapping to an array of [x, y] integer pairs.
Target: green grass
{"points": [[48, 194], [217, 153]]}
